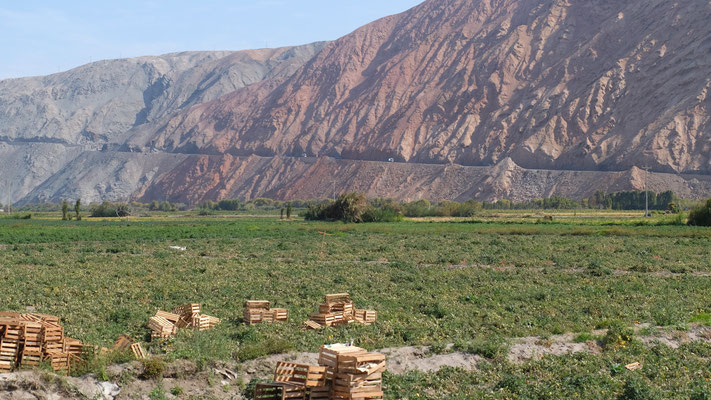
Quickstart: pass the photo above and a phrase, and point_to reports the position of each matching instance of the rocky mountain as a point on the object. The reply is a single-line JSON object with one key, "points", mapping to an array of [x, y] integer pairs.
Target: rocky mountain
{"points": [[49, 122], [468, 98]]}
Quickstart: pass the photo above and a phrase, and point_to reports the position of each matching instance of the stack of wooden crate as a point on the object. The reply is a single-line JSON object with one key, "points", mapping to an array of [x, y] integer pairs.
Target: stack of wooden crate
{"points": [[164, 324], [259, 311], [344, 373], [28, 339], [338, 309]]}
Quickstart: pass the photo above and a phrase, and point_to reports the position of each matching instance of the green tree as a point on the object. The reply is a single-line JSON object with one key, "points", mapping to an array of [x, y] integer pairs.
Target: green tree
{"points": [[281, 213], [701, 216], [77, 209], [65, 210], [288, 211]]}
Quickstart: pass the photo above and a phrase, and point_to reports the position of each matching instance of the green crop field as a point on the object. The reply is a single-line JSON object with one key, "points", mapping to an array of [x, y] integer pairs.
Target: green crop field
{"points": [[475, 282]]}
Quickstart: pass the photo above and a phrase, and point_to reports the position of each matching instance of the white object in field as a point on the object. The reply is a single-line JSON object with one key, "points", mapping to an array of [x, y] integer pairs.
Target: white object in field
{"points": [[178, 248]]}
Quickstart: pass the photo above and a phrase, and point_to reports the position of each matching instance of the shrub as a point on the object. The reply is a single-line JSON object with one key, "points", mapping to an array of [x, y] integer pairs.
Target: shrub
{"points": [[107, 210], [373, 214], [349, 207], [618, 336], [701, 216], [152, 368]]}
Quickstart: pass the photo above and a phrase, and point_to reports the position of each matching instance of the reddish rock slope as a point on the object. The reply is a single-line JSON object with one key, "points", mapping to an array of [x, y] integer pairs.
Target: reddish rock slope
{"points": [[554, 84]]}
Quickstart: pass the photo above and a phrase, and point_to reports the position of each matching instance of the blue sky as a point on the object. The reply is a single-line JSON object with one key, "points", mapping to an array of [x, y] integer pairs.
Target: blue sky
{"points": [[39, 37]]}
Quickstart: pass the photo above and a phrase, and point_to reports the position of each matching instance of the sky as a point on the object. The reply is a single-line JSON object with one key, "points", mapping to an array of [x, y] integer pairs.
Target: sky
{"points": [[40, 37]]}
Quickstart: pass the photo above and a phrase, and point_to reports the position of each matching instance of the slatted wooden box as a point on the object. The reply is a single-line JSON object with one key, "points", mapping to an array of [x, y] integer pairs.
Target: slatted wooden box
{"points": [[73, 346], [31, 356], [349, 384], [186, 311], [320, 392], [323, 319], [52, 332], [252, 316], [59, 361], [280, 314], [300, 374], [366, 316], [366, 364], [330, 356], [374, 395], [279, 391]]}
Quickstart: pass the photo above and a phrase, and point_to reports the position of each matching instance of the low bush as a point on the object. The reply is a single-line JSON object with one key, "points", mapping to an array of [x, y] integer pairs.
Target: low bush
{"points": [[108, 210], [618, 336], [701, 216]]}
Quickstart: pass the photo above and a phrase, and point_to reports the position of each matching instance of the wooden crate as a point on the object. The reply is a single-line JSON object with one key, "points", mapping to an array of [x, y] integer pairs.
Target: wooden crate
{"points": [[367, 364], [31, 356], [323, 319], [374, 395], [329, 356], [6, 367], [351, 383], [252, 316], [9, 350], [59, 361], [257, 304], [280, 314], [173, 318], [337, 298], [52, 332], [161, 327], [279, 391], [123, 343], [204, 322], [320, 393], [300, 374], [73, 346], [186, 311], [13, 330], [365, 316]]}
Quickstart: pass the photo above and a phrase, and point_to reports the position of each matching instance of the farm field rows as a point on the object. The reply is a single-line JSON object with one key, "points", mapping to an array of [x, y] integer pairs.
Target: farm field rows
{"points": [[472, 282]]}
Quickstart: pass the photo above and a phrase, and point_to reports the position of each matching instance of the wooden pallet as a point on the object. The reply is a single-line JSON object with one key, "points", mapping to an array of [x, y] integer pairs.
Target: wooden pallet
{"points": [[313, 325], [300, 374], [138, 351], [279, 391]]}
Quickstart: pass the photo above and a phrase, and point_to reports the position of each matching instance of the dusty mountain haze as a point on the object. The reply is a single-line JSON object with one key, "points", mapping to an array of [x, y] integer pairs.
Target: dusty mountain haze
{"points": [[471, 98]]}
